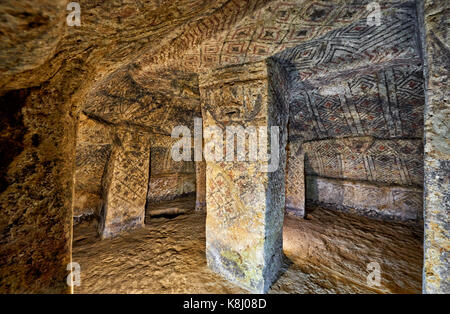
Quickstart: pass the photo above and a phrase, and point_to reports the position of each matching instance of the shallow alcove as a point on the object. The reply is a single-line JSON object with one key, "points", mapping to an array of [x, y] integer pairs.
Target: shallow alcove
{"points": [[169, 180]]}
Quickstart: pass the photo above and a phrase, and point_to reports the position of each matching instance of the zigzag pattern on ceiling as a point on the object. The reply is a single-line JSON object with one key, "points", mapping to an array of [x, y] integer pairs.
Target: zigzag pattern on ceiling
{"points": [[366, 107], [357, 45], [264, 32]]}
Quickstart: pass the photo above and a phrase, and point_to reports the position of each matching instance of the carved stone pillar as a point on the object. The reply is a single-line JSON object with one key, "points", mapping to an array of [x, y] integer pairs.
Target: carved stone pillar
{"points": [[200, 185], [125, 183], [245, 202], [295, 181], [434, 20]]}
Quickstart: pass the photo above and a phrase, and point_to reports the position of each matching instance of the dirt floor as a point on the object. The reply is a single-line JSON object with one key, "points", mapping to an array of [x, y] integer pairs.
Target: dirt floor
{"points": [[328, 252]]}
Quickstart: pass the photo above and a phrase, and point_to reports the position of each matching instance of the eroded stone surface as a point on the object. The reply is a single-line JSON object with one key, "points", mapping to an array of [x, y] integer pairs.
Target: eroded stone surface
{"points": [[36, 189], [368, 199], [295, 181], [94, 146], [125, 183], [437, 153], [168, 178], [200, 187], [245, 208]]}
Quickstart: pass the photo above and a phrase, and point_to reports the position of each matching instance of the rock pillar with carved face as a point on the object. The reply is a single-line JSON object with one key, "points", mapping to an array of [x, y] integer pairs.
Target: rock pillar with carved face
{"points": [[244, 191]]}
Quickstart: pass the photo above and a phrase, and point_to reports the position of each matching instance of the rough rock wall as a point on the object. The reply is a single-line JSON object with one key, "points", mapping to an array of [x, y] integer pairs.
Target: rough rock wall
{"points": [[36, 186], [93, 151], [200, 185], [434, 18], [125, 182], [47, 68]]}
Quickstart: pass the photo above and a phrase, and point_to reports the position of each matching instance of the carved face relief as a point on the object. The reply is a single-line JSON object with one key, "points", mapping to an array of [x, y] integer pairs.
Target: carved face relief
{"points": [[235, 103]]}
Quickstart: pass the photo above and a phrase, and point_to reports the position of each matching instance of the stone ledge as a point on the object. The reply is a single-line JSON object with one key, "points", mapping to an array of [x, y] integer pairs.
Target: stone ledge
{"points": [[395, 203]]}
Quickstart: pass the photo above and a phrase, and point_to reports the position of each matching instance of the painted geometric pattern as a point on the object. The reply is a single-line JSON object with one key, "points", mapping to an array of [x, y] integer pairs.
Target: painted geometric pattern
{"points": [[161, 162], [90, 163], [295, 181], [366, 108], [168, 187], [138, 98], [356, 45], [126, 180], [168, 178], [89, 166], [366, 158], [257, 29], [234, 194]]}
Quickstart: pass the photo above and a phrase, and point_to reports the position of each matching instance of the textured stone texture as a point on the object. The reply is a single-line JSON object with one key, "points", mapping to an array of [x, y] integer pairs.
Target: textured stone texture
{"points": [[376, 165], [168, 178], [327, 253], [200, 185], [377, 201], [155, 102], [356, 107], [94, 145], [244, 204], [35, 26], [361, 106], [342, 245], [36, 188], [295, 180], [125, 183], [170, 186], [47, 69], [341, 50], [435, 24], [252, 31], [365, 158]]}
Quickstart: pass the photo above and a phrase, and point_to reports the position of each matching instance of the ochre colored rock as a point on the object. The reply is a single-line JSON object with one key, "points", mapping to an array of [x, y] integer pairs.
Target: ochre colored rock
{"points": [[244, 206]]}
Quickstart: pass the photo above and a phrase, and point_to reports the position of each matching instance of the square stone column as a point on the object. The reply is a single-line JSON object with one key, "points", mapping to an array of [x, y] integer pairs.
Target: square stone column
{"points": [[295, 181], [245, 203], [125, 183], [200, 185], [433, 17]]}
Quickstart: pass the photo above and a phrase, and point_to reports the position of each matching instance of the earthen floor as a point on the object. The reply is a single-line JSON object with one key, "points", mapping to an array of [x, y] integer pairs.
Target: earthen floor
{"points": [[328, 252]]}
